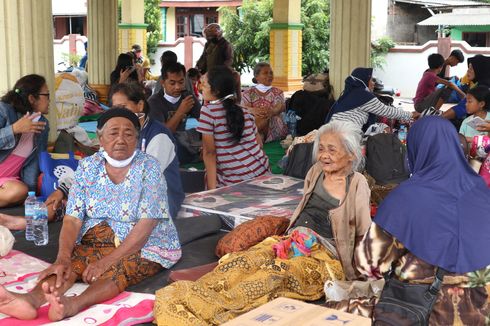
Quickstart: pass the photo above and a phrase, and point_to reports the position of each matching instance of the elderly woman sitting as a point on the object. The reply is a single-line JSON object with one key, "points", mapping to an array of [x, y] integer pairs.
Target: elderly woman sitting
{"points": [[330, 220], [116, 231]]}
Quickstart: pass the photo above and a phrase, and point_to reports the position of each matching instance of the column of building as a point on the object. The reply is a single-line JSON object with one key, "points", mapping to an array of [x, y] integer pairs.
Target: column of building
{"points": [[102, 46], [132, 29], [26, 37], [350, 39], [285, 44]]}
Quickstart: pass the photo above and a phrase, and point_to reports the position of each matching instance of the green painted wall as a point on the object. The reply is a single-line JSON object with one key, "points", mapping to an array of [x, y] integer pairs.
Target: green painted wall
{"points": [[457, 31], [163, 11]]}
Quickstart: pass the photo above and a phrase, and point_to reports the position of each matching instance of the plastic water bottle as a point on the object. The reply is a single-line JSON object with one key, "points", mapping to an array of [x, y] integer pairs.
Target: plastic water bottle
{"points": [[402, 134], [291, 121], [30, 208], [40, 225]]}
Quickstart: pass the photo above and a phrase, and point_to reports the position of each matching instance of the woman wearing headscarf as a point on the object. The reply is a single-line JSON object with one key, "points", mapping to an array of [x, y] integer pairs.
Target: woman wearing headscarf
{"points": [[360, 106], [116, 232], [478, 74], [437, 218]]}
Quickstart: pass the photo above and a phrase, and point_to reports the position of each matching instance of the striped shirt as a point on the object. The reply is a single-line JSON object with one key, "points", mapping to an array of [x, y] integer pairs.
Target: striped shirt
{"points": [[235, 161], [360, 115]]}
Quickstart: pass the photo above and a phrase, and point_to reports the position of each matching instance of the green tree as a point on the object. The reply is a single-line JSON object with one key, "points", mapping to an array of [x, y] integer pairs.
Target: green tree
{"points": [[315, 16], [379, 49], [248, 30], [153, 19]]}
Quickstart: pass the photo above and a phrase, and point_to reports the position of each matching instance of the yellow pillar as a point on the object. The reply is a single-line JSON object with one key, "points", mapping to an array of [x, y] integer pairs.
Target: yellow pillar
{"points": [[170, 25], [132, 29], [102, 47], [285, 44], [26, 37], [350, 39]]}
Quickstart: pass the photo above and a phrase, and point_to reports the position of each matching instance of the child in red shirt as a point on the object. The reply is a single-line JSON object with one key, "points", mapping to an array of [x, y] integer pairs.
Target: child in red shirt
{"points": [[427, 96]]}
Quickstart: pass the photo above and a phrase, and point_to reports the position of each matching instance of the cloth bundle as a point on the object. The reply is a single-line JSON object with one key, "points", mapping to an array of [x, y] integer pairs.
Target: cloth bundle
{"points": [[299, 243]]}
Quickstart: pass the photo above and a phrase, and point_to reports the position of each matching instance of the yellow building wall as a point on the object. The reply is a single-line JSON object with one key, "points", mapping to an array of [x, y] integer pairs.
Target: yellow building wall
{"points": [[171, 25]]}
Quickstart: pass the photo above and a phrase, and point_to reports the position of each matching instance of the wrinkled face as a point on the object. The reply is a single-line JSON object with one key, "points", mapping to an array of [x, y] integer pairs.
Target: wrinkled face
{"points": [[265, 76], [119, 138], [207, 93], [174, 83], [333, 155], [470, 73], [41, 103], [473, 105]]}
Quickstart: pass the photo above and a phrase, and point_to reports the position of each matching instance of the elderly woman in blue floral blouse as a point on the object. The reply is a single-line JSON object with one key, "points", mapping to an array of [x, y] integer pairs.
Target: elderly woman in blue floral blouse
{"points": [[116, 231]]}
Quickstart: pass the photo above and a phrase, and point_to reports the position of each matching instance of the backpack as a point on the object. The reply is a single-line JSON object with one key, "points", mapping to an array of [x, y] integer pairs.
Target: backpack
{"points": [[300, 160], [385, 159]]}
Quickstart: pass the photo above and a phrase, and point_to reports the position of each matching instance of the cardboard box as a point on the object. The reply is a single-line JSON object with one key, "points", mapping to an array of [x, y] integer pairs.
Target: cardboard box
{"points": [[285, 312]]}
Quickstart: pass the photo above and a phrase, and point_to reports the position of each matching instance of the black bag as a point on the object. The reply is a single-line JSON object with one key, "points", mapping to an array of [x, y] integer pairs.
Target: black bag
{"points": [[66, 143], [312, 107], [403, 303], [189, 144], [385, 159], [300, 160]]}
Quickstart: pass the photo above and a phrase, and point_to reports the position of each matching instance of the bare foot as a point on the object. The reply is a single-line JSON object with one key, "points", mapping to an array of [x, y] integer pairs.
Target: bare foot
{"points": [[59, 305], [13, 222], [15, 305]]}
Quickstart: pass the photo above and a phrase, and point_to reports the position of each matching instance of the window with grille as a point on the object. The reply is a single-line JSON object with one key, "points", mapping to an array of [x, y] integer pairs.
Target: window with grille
{"points": [[192, 21]]}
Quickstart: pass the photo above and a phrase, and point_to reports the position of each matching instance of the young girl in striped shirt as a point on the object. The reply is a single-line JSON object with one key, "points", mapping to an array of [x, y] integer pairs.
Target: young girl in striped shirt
{"points": [[231, 150]]}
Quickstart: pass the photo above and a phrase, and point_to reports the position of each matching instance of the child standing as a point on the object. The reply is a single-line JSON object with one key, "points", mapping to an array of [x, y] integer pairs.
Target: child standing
{"points": [[477, 105], [427, 96]]}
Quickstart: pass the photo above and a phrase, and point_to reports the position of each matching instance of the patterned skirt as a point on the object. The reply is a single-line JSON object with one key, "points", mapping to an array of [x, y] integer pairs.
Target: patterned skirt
{"points": [[243, 281]]}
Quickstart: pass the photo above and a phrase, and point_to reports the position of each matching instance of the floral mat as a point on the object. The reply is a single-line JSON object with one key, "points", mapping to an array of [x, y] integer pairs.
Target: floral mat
{"points": [[19, 271]]}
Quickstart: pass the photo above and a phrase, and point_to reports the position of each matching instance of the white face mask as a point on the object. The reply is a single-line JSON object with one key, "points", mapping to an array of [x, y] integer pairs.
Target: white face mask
{"points": [[116, 163], [262, 88], [170, 98], [358, 79]]}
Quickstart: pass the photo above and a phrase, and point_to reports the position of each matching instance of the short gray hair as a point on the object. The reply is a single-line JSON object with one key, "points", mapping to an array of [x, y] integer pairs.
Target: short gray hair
{"points": [[350, 136]]}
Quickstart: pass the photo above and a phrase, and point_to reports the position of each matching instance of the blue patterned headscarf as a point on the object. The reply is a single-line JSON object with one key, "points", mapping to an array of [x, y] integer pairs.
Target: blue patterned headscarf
{"points": [[442, 213]]}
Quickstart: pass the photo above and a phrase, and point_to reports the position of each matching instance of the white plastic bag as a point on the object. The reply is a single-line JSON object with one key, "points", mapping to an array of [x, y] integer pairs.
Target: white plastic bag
{"points": [[344, 290], [6, 241]]}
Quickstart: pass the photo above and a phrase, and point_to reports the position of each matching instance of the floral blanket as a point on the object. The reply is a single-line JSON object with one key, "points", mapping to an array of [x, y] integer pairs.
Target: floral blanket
{"points": [[19, 271]]}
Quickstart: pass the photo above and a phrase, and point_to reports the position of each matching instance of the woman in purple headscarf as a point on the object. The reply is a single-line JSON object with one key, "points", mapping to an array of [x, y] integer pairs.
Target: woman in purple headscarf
{"points": [[360, 106], [440, 217]]}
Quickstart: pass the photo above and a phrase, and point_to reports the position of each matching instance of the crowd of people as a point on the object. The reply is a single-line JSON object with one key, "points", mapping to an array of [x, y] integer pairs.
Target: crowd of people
{"points": [[119, 208]]}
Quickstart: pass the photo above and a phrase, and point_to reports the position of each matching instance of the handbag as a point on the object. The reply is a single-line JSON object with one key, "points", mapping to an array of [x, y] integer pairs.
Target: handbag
{"points": [[66, 143], [404, 303], [300, 160], [191, 141]]}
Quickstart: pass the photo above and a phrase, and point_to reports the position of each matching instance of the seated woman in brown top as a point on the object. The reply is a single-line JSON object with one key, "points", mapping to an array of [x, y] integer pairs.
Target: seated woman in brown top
{"points": [[330, 220]]}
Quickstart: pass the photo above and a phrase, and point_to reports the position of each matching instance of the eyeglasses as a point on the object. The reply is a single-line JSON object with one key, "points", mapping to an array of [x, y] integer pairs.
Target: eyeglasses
{"points": [[44, 94]]}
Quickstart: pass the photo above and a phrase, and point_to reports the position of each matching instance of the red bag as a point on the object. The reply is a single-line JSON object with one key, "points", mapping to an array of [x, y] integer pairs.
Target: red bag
{"points": [[478, 146], [485, 170]]}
